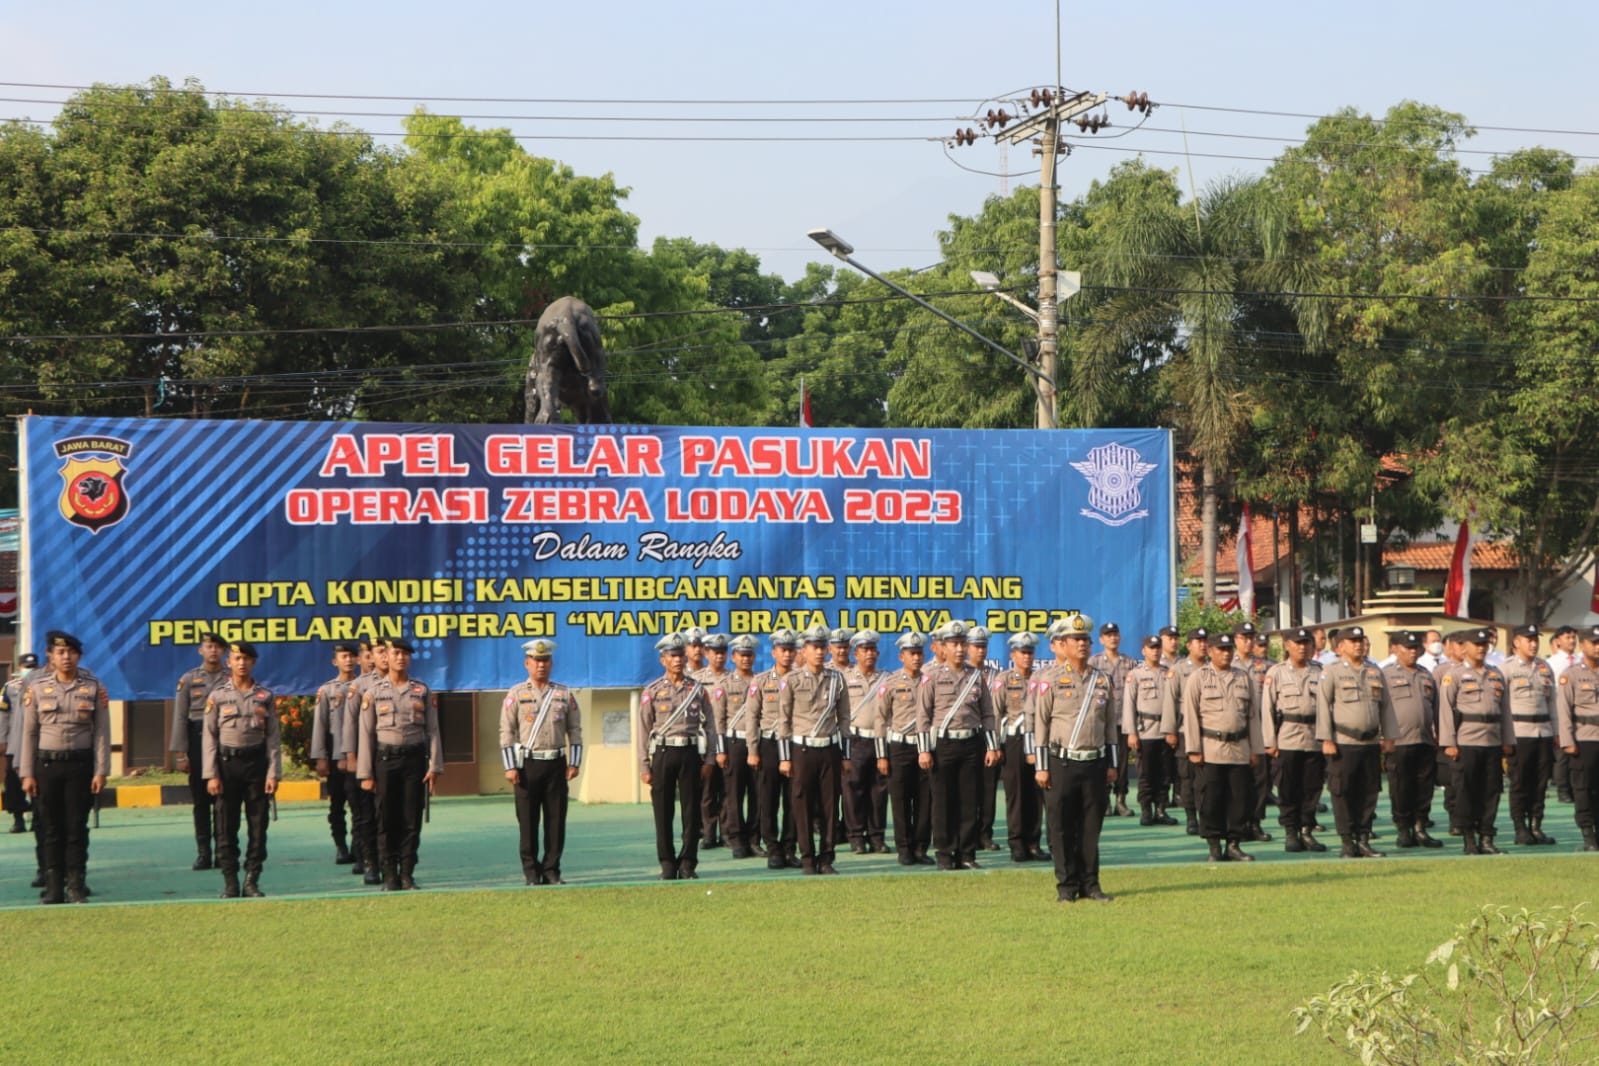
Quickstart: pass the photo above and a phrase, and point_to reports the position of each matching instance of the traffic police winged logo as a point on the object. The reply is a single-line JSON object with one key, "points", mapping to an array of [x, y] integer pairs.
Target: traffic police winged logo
{"points": [[1113, 472], [94, 496]]}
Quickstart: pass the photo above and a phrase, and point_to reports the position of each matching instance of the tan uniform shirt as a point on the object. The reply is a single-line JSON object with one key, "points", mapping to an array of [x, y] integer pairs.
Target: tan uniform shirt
{"points": [[863, 696], [1288, 707], [728, 692], [1010, 692], [400, 715], [1415, 696], [1530, 685], [1578, 704], [1171, 707], [1472, 709], [1353, 705], [1142, 696], [194, 688], [1115, 667], [327, 721], [1219, 719], [898, 705], [551, 707], [10, 710], [352, 711], [951, 701], [760, 707], [240, 719], [812, 708], [659, 722], [65, 716], [1071, 697]]}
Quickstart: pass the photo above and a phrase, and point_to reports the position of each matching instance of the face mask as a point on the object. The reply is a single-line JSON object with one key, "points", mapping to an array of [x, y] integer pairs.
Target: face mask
{"points": [[1436, 649]]}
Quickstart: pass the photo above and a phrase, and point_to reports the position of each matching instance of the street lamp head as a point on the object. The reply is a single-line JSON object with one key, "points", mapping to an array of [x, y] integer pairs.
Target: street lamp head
{"points": [[832, 242], [985, 279]]}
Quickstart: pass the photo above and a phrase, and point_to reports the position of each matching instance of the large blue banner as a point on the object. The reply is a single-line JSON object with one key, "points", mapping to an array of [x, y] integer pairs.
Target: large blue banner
{"points": [[143, 534]]}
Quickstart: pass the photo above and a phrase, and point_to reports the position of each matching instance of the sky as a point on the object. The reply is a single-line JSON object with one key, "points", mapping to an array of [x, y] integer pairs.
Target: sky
{"points": [[895, 79]]}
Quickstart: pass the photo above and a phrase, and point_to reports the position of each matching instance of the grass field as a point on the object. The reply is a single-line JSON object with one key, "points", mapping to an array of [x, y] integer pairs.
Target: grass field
{"points": [[1192, 963]]}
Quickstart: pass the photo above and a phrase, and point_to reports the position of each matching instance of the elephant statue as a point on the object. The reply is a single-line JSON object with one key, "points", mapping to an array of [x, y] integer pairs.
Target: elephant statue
{"points": [[568, 365]]}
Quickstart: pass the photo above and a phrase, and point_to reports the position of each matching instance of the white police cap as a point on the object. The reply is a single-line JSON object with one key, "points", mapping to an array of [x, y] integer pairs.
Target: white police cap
{"points": [[743, 642], [670, 643], [865, 636], [977, 635], [912, 641], [1024, 641], [539, 648]]}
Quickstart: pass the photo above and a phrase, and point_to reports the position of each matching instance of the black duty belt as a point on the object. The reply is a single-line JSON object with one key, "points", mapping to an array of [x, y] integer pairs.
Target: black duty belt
{"points": [[400, 751], [1302, 719], [67, 755], [1485, 719], [1588, 719], [1356, 734], [1529, 718], [1228, 738], [256, 752]]}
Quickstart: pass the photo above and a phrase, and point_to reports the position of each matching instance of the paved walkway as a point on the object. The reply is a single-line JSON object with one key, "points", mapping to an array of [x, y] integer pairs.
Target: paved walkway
{"points": [[143, 855]]}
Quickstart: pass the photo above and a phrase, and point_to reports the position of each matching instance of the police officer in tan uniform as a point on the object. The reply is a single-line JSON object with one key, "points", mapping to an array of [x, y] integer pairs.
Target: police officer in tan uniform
{"points": [[678, 748], [1288, 727], [11, 738], [1024, 800], [65, 757], [771, 787], [186, 737], [327, 747], [713, 675], [898, 753], [865, 790], [988, 789], [1413, 764], [1530, 688], [955, 728], [243, 762], [1578, 712], [374, 658], [1074, 723], [1474, 728], [1115, 666], [740, 824], [1356, 726], [1173, 722], [541, 749], [399, 758], [1221, 740], [1142, 695], [1452, 659], [840, 643], [1248, 656], [812, 715]]}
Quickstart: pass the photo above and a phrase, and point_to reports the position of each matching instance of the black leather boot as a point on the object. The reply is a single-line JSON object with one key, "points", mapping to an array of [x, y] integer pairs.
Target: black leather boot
{"points": [[1237, 854], [77, 891], [52, 888], [230, 884], [1363, 842], [252, 885]]}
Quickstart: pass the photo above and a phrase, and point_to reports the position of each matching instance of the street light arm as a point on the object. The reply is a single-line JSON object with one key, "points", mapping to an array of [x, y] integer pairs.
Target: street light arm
{"points": [[1006, 352]]}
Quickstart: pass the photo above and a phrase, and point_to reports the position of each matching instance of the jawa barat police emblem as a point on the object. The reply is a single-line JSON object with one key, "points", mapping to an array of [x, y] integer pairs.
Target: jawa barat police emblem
{"points": [[94, 495], [1113, 472]]}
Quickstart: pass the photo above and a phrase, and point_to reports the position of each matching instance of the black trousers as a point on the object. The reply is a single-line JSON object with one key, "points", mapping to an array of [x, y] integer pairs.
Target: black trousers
{"points": [[1154, 764], [957, 779], [1353, 777], [1076, 799], [1223, 791], [197, 791], [1531, 766], [16, 802], [541, 796], [1585, 783], [61, 814], [739, 809], [1299, 779], [1478, 783], [774, 803], [1187, 775], [243, 788], [865, 793], [675, 784], [1446, 778], [1412, 769], [1261, 788], [713, 795], [363, 820], [911, 797], [1124, 760], [401, 795], [987, 803], [1024, 800], [1562, 774], [338, 800], [814, 777]]}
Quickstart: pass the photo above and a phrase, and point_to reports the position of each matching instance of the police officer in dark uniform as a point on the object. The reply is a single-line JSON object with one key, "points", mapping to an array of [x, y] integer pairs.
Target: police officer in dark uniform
{"points": [[66, 756], [865, 790], [1172, 720], [1115, 666], [1413, 764], [1530, 689], [1142, 695], [242, 763], [678, 745], [812, 715], [16, 803], [909, 790], [1356, 726], [1248, 657], [1474, 728], [771, 787], [327, 747], [541, 749], [1013, 707], [1074, 722], [399, 757], [1288, 728], [713, 675], [188, 716], [955, 728], [1222, 739]]}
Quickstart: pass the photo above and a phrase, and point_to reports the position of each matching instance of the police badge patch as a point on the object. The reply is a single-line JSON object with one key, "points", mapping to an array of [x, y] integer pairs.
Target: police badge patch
{"points": [[94, 495], [1113, 472]]}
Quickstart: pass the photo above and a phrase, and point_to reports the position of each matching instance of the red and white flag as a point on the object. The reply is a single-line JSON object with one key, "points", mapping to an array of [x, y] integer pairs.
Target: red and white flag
{"points": [[805, 406], [1457, 591], [1246, 566]]}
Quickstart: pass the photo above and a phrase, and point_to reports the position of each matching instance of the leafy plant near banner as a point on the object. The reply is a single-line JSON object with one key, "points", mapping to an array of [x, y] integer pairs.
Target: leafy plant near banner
{"points": [[295, 714], [1193, 613]]}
